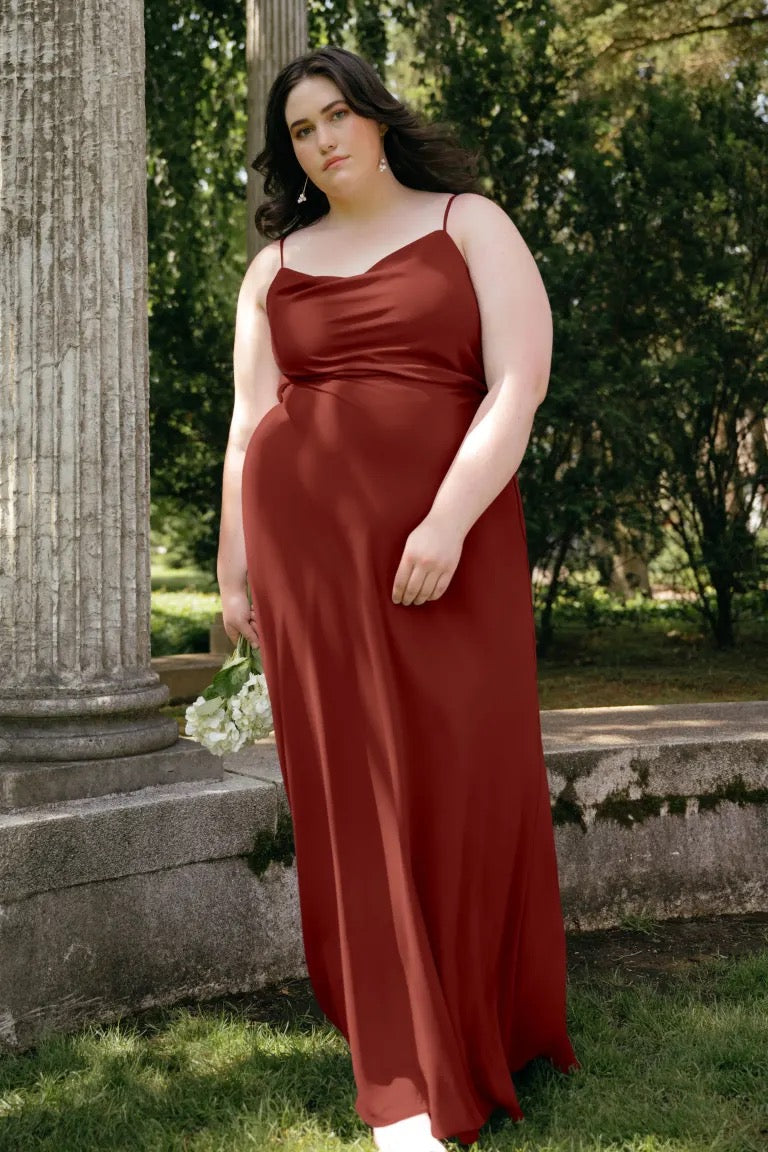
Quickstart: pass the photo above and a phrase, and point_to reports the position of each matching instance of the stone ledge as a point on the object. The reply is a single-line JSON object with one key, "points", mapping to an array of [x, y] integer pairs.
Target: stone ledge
{"points": [[110, 904], [31, 784], [56, 846], [93, 952], [599, 782], [85, 840], [629, 764], [187, 675], [565, 729], [703, 862]]}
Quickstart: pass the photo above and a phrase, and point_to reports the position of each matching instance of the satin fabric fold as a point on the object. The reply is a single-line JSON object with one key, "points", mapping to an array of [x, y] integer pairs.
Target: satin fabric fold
{"points": [[408, 736]]}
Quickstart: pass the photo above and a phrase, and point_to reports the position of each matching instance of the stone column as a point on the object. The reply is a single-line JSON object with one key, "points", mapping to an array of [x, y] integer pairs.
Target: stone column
{"points": [[78, 697], [276, 34]]}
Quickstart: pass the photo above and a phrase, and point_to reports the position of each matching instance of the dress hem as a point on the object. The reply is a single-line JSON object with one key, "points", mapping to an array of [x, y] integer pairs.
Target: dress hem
{"points": [[469, 1136]]}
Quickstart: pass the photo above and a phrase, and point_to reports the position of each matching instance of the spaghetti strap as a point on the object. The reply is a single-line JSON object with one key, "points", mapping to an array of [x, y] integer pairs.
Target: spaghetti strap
{"points": [[445, 217], [281, 250]]}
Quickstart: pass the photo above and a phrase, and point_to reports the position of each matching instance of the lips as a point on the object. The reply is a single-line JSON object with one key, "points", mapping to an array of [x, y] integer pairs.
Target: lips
{"points": [[331, 163]]}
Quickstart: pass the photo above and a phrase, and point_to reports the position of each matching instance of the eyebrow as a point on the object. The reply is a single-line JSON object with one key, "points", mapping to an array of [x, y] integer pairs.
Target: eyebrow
{"points": [[325, 109]]}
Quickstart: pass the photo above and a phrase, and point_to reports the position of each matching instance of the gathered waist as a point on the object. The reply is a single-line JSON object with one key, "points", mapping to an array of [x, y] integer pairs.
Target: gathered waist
{"points": [[385, 385]]}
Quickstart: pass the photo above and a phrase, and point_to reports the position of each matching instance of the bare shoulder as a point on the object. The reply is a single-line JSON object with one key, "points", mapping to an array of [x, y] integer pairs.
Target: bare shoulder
{"points": [[479, 220], [259, 275], [512, 299], [491, 242]]}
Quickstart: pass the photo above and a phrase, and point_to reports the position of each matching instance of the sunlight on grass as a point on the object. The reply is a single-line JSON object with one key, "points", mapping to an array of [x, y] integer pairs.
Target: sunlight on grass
{"points": [[181, 621], [674, 1068], [166, 577], [606, 652]]}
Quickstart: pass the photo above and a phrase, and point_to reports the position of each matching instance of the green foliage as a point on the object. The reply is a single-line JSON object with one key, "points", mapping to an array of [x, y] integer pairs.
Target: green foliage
{"points": [[695, 208], [196, 116], [329, 23], [655, 417], [181, 621], [235, 671], [643, 199], [358, 25], [700, 39]]}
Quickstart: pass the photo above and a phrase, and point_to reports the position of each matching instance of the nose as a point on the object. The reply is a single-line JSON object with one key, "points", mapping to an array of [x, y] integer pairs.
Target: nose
{"points": [[324, 138]]}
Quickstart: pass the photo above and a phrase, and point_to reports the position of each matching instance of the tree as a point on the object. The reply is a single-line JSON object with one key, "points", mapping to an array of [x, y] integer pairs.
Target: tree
{"points": [[698, 38], [196, 113], [506, 78], [695, 196]]}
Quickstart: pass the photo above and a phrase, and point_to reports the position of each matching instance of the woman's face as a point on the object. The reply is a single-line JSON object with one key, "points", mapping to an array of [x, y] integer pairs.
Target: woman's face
{"points": [[323, 127]]}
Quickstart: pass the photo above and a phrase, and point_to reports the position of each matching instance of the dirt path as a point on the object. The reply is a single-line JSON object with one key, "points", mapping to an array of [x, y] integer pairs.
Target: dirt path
{"points": [[664, 949]]}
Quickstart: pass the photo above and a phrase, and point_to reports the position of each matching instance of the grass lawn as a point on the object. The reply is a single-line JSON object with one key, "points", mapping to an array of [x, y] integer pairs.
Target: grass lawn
{"points": [[605, 652], [650, 660], [673, 1046]]}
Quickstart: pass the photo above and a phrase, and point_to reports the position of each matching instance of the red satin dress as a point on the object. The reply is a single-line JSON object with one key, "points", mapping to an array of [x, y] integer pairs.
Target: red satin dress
{"points": [[408, 735]]}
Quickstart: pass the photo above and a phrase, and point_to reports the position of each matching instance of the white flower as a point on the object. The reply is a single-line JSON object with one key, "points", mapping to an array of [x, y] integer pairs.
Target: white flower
{"points": [[224, 719], [209, 722], [251, 708]]}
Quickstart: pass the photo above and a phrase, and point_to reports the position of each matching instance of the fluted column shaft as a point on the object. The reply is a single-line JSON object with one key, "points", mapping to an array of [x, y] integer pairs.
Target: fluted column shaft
{"points": [[276, 34], [75, 672]]}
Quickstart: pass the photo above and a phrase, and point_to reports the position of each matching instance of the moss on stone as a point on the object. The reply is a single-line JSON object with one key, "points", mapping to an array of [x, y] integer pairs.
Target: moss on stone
{"points": [[268, 845], [628, 812], [567, 810], [736, 791], [619, 807], [278, 845], [677, 805], [642, 771]]}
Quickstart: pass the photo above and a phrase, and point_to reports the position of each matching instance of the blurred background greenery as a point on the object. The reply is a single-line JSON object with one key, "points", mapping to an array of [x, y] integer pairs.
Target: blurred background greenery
{"points": [[632, 154]]}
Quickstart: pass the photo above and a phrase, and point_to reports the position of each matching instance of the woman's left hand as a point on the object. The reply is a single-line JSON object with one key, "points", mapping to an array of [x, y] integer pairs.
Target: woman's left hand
{"points": [[430, 558]]}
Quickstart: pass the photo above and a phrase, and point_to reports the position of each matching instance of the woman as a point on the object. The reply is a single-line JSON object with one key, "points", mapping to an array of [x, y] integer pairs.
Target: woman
{"points": [[389, 358]]}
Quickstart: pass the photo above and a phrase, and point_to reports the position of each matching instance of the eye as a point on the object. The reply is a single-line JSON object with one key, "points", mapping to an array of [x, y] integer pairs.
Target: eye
{"points": [[338, 112]]}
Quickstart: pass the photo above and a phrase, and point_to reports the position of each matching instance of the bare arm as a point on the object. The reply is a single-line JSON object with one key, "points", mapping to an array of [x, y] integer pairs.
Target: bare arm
{"points": [[256, 378], [517, 353]]}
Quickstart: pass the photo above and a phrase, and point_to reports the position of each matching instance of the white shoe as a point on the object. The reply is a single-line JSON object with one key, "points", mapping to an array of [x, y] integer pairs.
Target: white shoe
{"points": [[414, 1134]]}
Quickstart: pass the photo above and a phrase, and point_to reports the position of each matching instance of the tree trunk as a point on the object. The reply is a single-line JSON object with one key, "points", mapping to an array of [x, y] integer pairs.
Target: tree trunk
{"points": [[545, 627], [724, 635]]}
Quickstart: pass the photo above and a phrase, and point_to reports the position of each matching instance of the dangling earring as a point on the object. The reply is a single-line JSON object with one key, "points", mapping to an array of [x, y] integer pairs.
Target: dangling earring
{"points": [[302, 197], [383, 162]]}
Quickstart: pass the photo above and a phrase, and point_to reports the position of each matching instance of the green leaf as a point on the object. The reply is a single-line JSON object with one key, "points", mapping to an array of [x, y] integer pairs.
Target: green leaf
{"points": [[213, 702], [231, 676]]}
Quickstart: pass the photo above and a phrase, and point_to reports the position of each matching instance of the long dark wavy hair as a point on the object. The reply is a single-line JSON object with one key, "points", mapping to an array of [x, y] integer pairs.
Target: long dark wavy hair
{"points": [[420, 154]]}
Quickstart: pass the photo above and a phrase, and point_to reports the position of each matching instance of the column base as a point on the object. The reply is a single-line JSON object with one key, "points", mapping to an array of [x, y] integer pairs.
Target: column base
{"points": [[97, 722], [31, 784]]}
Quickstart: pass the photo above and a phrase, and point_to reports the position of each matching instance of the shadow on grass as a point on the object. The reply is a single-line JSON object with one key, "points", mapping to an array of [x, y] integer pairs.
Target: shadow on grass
{"points": [[672, 1061]]}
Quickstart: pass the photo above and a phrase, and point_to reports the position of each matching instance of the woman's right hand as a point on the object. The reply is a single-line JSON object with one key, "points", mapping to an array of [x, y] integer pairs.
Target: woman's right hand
{"points": [[239, 618]]}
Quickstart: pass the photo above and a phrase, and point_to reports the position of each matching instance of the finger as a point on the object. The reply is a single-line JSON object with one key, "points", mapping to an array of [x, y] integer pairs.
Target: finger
{"points": [[440, 586], [414, 585], [401, 580], [427, 588]]}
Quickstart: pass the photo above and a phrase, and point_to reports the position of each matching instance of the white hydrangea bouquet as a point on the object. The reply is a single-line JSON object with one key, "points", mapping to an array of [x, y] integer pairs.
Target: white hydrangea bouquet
{"points": [[235, 707]]}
